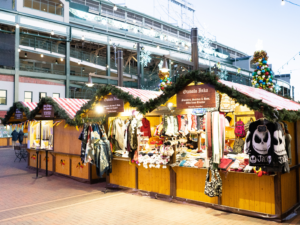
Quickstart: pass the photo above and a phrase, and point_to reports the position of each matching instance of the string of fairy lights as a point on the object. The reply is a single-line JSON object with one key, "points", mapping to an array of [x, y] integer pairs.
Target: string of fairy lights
{"points": [[283, 2], [289, 61]]}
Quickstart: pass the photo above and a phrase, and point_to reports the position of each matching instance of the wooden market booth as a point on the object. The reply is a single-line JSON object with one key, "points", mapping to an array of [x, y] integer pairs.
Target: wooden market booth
{"points": [[273, 196], [55, 117], [17, 117]]}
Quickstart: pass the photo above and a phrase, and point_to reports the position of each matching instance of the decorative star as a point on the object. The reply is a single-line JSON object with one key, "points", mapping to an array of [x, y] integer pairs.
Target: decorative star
{"points": [[145, 57]]}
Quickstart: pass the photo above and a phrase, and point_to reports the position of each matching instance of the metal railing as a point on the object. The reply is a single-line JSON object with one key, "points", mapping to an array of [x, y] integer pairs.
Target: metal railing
{"points": [[42, 67], [45, 6]]}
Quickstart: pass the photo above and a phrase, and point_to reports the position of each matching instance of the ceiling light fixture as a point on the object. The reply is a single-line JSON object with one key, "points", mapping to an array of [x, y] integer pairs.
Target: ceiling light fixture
{"points": [[115, 8], [282, 2], [82, 38], [52, 32]]}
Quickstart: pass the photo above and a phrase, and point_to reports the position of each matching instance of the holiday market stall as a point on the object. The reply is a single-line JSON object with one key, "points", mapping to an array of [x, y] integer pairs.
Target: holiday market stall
{"points": [[53, 139], [119, 105], [13, 131], [164, 144]]}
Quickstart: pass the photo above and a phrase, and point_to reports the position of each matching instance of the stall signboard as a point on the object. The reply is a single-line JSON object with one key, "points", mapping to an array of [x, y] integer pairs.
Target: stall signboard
{"points": [[47, 111], [18, 115], [198, 96], [112, 104]]}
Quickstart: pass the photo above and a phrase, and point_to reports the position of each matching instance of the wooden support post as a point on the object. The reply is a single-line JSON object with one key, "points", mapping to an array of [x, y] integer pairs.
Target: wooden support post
{"points": [[277, 192], [70, 166], [136, 177], [297, 160], [90, 172], [173, 175]]}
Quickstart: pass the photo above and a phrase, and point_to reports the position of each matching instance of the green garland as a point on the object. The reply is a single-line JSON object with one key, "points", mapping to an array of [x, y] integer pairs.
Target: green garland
{"points": [[105, 90], [205, 77], [12, 110], [194, 76]]}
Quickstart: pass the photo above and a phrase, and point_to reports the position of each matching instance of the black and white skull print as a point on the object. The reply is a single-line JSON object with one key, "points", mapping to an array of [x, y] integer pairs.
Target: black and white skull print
{"points": [[279, 142], [261, 142]]}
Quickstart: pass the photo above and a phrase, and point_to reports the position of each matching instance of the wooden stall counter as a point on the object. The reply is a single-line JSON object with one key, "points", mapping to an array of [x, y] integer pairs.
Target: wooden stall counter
{"points": [[5, 142]]}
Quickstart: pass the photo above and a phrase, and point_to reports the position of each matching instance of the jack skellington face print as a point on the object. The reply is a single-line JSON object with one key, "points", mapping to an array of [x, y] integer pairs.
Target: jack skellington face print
{"points": [[261, 141], [279, 144]]}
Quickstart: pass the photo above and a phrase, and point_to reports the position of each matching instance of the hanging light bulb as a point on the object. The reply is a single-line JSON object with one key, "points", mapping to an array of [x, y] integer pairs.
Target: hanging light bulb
{"points": [[99, 109], [107, 66], [115, 8], [42, 55], [90, 82], [82, 38], [19, 50], [17, 25], [282, 2], [110, 41], [164, 67], [134, 21], [97, 56], [61, 59], [157, 46], [79, 62], [178, 48], [82, 68], [56, 62], [52, 32], [25, 55]]}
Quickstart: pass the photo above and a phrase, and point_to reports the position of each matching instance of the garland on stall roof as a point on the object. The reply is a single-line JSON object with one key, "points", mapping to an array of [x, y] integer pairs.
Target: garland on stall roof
{"points": [[12, 110], [105, 90], [59, 112], [205, 77]]}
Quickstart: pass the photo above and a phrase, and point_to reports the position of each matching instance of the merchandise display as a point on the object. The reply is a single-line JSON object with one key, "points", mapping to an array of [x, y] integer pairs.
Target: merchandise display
{"points": [[95, 148]]}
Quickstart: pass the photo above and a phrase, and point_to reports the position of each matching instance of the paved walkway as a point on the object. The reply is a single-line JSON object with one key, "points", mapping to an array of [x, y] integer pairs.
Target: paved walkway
{"points": [[60, 200]]}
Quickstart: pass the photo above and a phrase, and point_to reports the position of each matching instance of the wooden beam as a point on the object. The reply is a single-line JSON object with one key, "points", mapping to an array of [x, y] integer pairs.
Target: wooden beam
{"points": [[277, 193]]}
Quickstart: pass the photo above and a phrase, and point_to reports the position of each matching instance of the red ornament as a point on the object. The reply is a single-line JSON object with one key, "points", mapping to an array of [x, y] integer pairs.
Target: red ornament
{"points": [[260, 87], [267, 73], [267, 65], [162, 88]]}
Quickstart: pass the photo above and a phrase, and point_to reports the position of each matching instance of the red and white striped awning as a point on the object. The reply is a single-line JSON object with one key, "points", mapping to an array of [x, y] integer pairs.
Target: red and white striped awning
{"points": [[70, 105], [267, 97], [144, 95], [30, 105]]}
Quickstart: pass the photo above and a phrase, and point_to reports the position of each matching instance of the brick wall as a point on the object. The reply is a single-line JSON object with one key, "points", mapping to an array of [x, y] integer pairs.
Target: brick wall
{"points": [[28, 80]]}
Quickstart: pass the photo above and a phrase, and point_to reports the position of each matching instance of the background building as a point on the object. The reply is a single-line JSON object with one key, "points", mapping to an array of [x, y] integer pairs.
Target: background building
{"points": [[50, 47]]}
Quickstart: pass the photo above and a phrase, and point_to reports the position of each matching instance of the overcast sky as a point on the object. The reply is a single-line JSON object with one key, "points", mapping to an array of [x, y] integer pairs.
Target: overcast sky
{"points": [[240, 24]]}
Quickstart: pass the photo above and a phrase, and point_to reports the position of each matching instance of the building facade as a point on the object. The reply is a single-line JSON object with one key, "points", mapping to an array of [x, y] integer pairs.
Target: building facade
{"points": [[58, 43]]}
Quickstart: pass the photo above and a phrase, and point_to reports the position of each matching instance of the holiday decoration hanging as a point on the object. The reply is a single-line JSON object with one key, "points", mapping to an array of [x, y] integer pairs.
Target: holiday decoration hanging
{"points": [[164, 74], [262, 77]]}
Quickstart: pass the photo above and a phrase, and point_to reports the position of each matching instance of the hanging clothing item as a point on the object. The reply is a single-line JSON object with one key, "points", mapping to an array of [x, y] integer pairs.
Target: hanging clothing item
{"points": [[146, 128], [189, 117], [288, 147], [184, 125], [216, 137], [280, 153], [194, 122], [208, 139], [179, 122], [172, 126], [104, 157], [159, 129], [227, 104], [200, 122], [259, 143], [132, 135], [89, 151], [83, 139], [222, 133], [119, 133]]}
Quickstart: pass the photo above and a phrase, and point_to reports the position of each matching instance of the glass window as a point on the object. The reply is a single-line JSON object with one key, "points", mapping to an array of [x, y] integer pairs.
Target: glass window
{"points": [[28, 96], [42, 95], [3, 96], [56, 95]]}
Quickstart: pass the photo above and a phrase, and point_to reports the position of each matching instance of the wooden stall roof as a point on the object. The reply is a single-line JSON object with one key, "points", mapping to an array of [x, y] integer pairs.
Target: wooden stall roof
{"points": [[25, 107], [70, 105], [30, 105], [267, 97], [144, 95]]}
